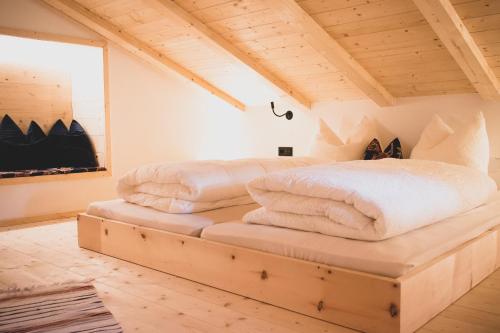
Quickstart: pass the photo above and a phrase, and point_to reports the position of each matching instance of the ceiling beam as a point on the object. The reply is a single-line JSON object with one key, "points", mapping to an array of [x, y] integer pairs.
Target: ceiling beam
{"points": [[450, 29], [113, 33], [322, 42], [171, 9]]}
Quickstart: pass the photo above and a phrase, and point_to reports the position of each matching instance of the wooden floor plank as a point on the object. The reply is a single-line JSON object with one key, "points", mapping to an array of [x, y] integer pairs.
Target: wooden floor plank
{"points": [[145, 300]]}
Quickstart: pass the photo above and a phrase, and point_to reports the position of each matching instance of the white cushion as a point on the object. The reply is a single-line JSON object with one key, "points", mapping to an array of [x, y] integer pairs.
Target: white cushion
{"points": [[328, 145], [468, 146], [364, 133], [434, 133]]}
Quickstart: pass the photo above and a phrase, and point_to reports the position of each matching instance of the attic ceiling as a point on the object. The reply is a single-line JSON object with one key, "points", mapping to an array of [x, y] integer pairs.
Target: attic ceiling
{"points": [[249, 51]]}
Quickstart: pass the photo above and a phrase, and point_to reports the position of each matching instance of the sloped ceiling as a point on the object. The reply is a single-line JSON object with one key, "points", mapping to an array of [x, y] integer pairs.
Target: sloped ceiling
{"points": [[390, 39]]}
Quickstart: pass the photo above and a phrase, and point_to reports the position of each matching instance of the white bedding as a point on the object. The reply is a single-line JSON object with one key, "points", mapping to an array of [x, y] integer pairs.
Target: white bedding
{"points": [[186, 224], [197, 186], [367, 200], [391, 257]]}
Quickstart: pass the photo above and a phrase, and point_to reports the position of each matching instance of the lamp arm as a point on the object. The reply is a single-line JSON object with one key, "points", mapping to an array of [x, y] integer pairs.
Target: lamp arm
{"points": [[277, 115]]}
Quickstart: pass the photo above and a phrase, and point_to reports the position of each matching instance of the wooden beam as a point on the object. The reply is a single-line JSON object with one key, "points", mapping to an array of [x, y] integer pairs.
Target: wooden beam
{"points": [[171, 9], [322, 42], [51, 37], [450, 29], [84, 16]]}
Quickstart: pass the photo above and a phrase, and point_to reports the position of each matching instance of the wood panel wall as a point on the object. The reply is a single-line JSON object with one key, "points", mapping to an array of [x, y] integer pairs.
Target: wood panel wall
{"points": [[30, 93]]}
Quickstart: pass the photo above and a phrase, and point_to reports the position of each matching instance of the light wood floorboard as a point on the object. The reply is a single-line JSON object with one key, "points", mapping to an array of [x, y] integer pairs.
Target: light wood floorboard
{"points": [[145, 300]]}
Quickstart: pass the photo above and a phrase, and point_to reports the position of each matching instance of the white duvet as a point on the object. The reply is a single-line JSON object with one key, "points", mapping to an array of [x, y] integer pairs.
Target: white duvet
{"points": [[197, 186], [367, 200]]}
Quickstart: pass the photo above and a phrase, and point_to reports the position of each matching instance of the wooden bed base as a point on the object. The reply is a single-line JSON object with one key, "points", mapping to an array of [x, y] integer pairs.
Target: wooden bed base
{"points": [[362, 301]]}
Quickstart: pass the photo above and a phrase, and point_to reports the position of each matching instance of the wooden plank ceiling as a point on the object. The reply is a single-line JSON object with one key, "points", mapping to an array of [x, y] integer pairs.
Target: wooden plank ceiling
{"points": [[260, 52]]}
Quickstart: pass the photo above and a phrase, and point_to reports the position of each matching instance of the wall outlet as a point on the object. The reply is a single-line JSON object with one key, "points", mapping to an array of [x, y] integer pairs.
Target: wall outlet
{"points": [[285, 151]]}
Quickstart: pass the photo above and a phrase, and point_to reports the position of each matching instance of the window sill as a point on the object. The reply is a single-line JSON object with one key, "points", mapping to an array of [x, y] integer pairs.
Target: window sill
{"points": [[56, 176]]}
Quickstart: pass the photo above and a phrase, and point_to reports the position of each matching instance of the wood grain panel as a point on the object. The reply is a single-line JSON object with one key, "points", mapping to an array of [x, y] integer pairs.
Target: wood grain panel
{"points": [[389, 38], [394, 42], [29, 93], [269, 278]]}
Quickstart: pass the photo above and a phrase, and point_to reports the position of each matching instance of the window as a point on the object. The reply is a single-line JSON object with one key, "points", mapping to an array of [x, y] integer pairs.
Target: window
{"points": [[46, 78]]}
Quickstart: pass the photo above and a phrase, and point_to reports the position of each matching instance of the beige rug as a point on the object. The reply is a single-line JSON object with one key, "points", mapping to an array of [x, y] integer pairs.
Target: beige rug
{"points": [[74, 307]]}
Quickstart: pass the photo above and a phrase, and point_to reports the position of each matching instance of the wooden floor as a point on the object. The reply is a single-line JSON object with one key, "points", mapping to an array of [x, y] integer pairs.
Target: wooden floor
{"points": [[144, 300]]}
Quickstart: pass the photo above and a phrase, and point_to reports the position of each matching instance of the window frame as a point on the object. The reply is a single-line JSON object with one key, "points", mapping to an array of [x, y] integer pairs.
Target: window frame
{"points": [[107, 132]]}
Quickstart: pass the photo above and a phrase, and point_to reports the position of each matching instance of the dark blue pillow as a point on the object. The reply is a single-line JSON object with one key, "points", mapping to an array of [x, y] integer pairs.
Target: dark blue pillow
{"points": [[35, 133], [374, 150], [76, 129], [71, 148], [10, 132], [58, 128], [60, 148]]}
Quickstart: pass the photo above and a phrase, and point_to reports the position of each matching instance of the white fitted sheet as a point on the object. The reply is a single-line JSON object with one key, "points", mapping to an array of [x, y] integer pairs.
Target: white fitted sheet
{"points": [[392, 257], [186, 224]]}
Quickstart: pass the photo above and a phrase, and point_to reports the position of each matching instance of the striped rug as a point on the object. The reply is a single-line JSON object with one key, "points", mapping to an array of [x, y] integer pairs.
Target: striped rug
{"points": [[58, 309]]}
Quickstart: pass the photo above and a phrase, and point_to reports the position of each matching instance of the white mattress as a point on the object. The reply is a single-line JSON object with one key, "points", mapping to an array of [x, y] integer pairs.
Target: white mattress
{"points": [[392, 257], [187, 224]]}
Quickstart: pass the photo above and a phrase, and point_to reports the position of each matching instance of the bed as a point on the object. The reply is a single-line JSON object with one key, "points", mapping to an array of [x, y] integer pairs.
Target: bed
{"points": [[393, 257], [352, 294], [407, 265]]}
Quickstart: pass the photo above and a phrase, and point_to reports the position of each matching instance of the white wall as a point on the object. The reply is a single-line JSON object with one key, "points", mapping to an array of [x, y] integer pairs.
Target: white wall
{"points": [[163, 117]]}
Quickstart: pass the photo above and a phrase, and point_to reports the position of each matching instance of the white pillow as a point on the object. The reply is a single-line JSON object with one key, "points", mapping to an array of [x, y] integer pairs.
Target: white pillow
{"points": [[468, 146], [435, 132], [328, 145], [364, 133]]}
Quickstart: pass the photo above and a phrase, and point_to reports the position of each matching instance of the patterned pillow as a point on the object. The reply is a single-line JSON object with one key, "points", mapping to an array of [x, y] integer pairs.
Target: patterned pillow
{"points": [[374, 151]]}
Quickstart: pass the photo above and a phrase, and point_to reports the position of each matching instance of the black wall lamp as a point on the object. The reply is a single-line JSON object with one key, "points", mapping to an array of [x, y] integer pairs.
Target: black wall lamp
{"points": [[288, 115]]}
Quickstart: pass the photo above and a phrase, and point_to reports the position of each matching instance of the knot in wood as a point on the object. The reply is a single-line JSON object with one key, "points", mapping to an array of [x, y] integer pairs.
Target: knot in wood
{"points": [[320, 306], [394, 310], [263, 275]]}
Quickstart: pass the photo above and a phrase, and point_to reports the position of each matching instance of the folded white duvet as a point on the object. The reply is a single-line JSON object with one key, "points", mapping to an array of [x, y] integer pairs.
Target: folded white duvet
{"points": [[367, 200], [197, 186]]}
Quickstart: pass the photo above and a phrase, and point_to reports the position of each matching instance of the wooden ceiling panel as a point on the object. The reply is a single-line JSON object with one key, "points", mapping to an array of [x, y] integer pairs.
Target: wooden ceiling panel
{"points": [[365, 11], [274, 29], [281, 49], [484, 23], [428, 89], [391, 38], [482, 19], [137, 18], [271, 43], [413, 37], [177, 41], [476, 8], [269, 40], [252, 19], [115, 8], [195, 5], [320, 6], [226, 9], [227, 42], [385, 23]]}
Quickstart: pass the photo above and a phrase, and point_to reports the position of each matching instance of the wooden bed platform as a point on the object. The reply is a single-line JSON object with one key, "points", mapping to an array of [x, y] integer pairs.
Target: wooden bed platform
{"points": [[362, 301]]}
